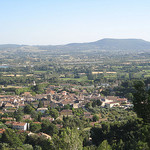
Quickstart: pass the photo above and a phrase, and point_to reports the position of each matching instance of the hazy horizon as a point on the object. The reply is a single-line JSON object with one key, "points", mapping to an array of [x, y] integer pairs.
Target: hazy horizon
{"points": [[35, 22], [72, 42]]}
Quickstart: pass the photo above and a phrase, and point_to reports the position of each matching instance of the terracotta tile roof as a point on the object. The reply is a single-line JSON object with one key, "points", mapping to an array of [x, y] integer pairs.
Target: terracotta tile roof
{"points": [[67, 101], [49, 91], [22, 105], [121, 99], [9, 122], [9, 105], [18, 123], [1, 131], [9, 118], [112, 97]]}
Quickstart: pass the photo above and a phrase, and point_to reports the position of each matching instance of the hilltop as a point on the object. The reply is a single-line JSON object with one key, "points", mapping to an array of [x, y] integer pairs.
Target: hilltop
{"points": [[100, 45]]}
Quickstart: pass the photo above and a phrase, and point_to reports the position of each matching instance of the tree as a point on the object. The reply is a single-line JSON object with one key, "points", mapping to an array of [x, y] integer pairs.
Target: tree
{"points": [[52, 129], [89, 74], [71, 140], [18, 114], [142, 146], [4, 146], [95, 118], [37, 147], [40, 105], [54, 113], [28, 109], [129, 96], [49, 128], [141, 101], [37, 88], [96, 103], [104, 146], [45, 125], [67, 106], [10, 137], [23, 136], [27, 147], [39, 116], [34, 114], [35, 127]]}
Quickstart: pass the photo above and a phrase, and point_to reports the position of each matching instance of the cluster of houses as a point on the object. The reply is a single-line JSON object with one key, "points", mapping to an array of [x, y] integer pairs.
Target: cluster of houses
{"points": [[114, 101], [76, 98]]}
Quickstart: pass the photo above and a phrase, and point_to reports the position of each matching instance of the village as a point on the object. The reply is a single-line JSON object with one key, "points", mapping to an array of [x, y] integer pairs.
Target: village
{"points": [[65, 102]]}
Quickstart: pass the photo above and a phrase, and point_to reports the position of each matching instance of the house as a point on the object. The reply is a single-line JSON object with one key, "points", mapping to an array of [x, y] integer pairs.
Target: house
{"points": [[105, 100], [64, 93], [111, 98], [9, 105], [46, 103], [47, 118], [42, 110], [10, 110], [2, 131], [26, 117], [21, 105], [49, 91], [9, 123], [122, 100], [20, 125], [41, 97], [27, 94], [66, 112], [112, 104], [76, 105], [66, 102], [7, 119], [128, 105]]}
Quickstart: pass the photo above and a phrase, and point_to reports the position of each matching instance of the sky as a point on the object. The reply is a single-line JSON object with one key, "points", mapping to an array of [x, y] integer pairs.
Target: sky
{"points": [[53, 22]]}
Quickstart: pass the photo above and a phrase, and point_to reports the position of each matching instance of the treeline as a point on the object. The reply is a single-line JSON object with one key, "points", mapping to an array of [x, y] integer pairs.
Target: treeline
{"points": [[132, 134], [16, 80]]}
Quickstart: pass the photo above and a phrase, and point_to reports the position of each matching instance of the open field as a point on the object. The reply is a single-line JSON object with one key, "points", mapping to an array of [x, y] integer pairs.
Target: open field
{"points": [[84, 78]]}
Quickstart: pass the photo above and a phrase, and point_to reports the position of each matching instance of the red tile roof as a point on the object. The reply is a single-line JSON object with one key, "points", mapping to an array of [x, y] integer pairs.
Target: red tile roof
{"points": [[1, 131], [18, 123]]}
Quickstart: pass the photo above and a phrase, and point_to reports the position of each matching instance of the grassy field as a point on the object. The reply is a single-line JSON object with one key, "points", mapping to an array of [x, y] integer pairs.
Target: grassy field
{"points": [[11, 86], [40, 71], [84, 78]]}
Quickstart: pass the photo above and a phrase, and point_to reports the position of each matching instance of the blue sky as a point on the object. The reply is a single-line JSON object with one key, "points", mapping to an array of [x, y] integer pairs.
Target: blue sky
{"points": [[52, 22]]}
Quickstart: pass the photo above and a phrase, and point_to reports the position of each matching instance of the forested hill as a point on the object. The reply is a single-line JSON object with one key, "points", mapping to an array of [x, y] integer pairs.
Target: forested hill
{"points": [[104, 44]]}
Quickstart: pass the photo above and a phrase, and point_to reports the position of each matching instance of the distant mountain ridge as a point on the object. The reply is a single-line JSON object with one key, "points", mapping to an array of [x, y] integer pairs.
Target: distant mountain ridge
{"points": [[103, 44], [116, 44]]}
